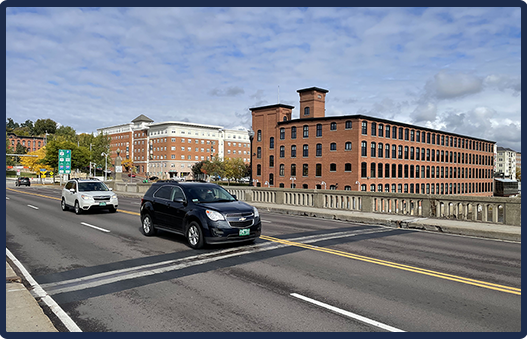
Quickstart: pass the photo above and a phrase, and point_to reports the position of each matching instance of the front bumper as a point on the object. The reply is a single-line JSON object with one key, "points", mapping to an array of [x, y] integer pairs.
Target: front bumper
{"points": [[97, 205], [222, 232]]}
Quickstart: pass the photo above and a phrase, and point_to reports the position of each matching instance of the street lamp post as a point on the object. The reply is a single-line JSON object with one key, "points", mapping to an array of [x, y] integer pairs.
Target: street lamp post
{"points": [[292, 181], [323, 183], [105, 165]]}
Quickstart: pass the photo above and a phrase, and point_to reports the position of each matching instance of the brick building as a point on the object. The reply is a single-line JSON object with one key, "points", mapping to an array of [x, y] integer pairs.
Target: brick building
{"points": [[358, 152], [31, 143], [171, 148]]}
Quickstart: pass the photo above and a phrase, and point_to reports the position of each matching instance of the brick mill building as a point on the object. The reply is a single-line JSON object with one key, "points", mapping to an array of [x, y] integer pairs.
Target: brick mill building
{"points": [[169, 149], [32, 143], [358, 152]]}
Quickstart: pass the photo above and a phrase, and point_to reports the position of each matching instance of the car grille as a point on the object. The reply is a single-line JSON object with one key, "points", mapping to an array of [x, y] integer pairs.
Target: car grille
{"points": [[101, 198], [240, 220]]}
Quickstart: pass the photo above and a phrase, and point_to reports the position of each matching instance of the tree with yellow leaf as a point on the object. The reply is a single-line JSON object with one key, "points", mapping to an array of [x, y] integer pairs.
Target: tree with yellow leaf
{"points": [[33, 162]]}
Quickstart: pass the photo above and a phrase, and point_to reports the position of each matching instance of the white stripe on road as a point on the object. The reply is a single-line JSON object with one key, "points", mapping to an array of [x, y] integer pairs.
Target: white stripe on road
{"points": [[97, 228], [265, 221], [348, 314], [176, 264], [6, 198], [33, 207], [38, 292]]}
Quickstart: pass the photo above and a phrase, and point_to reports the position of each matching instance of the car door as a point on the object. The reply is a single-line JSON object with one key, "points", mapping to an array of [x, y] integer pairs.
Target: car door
{"points": [[177, 208], [68, 196], [160, 204]]}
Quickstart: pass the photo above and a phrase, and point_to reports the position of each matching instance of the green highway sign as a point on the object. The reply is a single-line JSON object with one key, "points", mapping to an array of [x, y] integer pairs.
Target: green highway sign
{"points": [[64, 161]]}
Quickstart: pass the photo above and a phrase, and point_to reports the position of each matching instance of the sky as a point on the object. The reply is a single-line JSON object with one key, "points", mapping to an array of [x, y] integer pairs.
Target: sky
{"points": [[451, 69]]}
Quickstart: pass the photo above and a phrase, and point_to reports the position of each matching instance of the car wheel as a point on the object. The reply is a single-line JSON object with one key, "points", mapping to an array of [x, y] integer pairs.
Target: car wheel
{"points": [[78, 209], [63, 205], [194, 235], [147, 226]]}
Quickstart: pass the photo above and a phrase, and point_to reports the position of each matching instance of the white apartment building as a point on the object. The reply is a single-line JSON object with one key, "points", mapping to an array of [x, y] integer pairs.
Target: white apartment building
{"points": [[169, 149], [506, 163]]}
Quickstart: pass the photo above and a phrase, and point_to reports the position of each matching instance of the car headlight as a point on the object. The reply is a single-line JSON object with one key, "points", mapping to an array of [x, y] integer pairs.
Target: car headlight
{"points": [[214, 216], [86, 197], [114, 197], [256, 214]]}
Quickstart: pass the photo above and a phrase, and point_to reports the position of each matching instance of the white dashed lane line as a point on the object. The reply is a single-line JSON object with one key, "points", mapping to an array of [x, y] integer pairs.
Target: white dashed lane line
{"points": [[95, 227], [34, 207]]}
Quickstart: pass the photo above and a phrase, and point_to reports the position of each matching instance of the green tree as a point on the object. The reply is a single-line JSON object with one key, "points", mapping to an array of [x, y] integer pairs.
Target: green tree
{"points": [[29, 125], [214, 168], [23, 131], [9, 161], [519, 173], [235, 169], [20, 149], [11, 125], [197, 170], [67, 132], [43, 126]]}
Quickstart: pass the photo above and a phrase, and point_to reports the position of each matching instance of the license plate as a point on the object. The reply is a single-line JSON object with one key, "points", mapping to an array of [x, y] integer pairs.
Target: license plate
{"points": [[102, 204], [246, 231]]}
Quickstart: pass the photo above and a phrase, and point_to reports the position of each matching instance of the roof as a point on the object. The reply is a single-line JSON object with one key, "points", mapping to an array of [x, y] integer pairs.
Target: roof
{"points": [[505, 180], [502, 149], [142, 118], [318, 89], [272, 106]]}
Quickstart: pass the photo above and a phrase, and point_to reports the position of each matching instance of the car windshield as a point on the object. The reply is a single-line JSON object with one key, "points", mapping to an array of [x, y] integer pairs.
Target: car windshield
{"points": [[92, 186], [209, 193]]}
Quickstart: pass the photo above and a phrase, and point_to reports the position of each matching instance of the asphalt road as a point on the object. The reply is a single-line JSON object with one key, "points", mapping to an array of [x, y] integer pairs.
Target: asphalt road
{"points": [[304, 274]]}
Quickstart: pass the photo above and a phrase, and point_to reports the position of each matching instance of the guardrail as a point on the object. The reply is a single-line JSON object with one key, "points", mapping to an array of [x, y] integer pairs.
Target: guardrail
{"points": [[485, 209]]}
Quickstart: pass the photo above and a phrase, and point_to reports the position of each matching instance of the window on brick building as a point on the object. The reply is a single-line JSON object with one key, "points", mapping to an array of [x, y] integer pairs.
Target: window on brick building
{"points": [[348, 124], [293, 170], [306, 111], [318, 170], [347, 146], [381, 130], [363, 148], [305, 170], [305, 151], [373, 149], [363, 170], [333, 126], [293, 151], [373, 129], [271, 143], [347, 167], [281, 170], [319, 150], [333, 146], [293, 132], [332, 167], [282, 133], [306, 131], [282, 151], [364, 128], [319, 130]]}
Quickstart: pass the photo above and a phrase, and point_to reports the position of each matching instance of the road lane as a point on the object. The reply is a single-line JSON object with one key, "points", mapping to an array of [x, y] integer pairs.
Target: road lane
{"points": [[256, 287]]}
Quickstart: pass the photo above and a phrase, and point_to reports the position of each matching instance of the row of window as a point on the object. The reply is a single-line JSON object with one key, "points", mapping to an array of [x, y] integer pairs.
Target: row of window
{"points": [[425, 137], [392, 170], [409, 153], [396, 133], [428, 172], [305, 150]]}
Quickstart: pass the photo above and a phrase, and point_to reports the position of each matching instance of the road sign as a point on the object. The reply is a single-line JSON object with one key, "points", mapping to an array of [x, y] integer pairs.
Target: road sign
{"points": [[64, 161]]}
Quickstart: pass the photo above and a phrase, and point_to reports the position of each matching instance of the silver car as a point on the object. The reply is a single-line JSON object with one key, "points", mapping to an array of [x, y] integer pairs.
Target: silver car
{"points": [[88, 194]]}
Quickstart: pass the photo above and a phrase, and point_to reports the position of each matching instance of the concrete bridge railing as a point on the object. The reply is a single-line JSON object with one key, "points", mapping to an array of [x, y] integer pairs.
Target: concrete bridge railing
{"points": [[486, 209]]}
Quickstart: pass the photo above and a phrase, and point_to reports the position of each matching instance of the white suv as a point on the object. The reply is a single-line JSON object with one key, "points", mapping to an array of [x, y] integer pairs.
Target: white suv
{"points": [[88, 194]]}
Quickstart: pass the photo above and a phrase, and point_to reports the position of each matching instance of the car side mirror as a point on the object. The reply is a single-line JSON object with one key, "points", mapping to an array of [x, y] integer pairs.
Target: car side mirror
{"points": [[109, 188], [72, 190], [180, 200]]}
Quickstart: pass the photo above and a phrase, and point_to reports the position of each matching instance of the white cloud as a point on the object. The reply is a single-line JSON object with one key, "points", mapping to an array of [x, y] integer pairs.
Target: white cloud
{"points": [[92, 68]]}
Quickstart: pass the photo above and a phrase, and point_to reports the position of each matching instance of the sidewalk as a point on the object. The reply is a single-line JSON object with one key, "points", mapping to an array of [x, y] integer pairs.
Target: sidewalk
{"points": [[24, 314]]}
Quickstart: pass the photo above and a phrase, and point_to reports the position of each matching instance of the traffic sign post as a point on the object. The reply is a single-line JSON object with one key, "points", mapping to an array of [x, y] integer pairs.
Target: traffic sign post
{"points": [[64, 162]]}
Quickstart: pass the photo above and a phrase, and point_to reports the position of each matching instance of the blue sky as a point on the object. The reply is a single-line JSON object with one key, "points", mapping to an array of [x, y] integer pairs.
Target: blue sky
{"points": [[453, 69]]}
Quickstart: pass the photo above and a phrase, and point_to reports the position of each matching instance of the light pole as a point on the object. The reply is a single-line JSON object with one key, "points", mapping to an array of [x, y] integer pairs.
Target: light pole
{"points": [[293, 182], [323, 183], [105, 164]]}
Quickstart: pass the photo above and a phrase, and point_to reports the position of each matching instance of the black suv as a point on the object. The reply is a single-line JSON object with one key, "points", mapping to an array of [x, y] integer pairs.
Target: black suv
{"points": [[22, 181], [204, 213]]}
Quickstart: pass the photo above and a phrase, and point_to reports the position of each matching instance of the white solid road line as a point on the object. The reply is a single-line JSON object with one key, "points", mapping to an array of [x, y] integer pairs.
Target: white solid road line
{"points": [[38, 292], [34, 207], [97, 228], [348, 314]]}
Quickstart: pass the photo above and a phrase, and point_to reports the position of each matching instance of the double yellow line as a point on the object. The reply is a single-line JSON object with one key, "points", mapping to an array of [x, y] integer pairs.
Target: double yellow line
{"points": [[479, 283], [501, 288]]}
